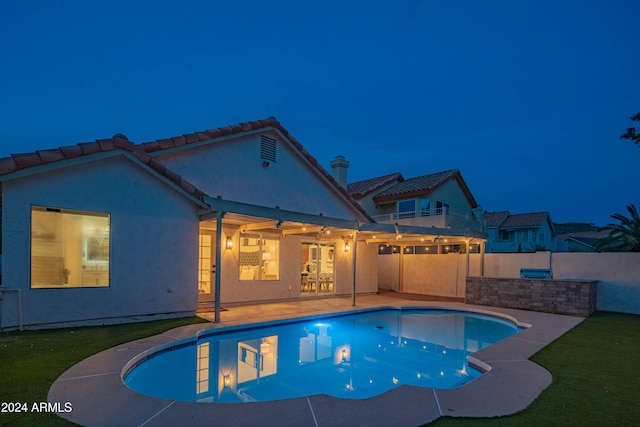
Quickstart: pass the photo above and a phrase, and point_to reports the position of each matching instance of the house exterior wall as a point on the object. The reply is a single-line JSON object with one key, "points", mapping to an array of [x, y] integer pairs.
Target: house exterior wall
{"points": [[233, 170], [236, 291], [369, 205], [154, 247]]}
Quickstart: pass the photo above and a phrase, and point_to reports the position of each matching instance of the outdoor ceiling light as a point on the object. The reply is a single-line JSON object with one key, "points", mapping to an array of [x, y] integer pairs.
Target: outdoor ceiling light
{"points": [[229, 243]]}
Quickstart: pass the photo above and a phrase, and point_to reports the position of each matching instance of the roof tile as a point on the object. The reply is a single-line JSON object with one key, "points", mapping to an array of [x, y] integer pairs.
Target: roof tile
{"points": [[190, 138], [152, 146], [48, 156], [360, 189], [142, 156], [421, 184], [494, 219], [89, 147], [26, 160], [106, 144], [71, 151], [7, 164], [123, 143], [525, 220], [179, 141], [164, 143], [157, 166], [203, 136], [215, 133]]}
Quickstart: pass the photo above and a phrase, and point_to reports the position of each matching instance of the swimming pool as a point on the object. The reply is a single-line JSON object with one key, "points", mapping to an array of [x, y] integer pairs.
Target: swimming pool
{"points": [[351, 356]]}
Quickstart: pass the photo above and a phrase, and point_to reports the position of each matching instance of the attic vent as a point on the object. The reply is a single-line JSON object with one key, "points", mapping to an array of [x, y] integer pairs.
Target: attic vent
{"points": [[267, 148]]}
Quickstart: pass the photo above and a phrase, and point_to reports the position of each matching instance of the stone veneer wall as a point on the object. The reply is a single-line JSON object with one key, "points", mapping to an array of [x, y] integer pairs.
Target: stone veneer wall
{"points": [[572, 297]]}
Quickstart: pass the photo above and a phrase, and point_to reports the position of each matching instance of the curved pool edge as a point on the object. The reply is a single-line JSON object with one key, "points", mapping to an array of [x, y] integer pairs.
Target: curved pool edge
{"points": [[209, 331], [99, 397]]}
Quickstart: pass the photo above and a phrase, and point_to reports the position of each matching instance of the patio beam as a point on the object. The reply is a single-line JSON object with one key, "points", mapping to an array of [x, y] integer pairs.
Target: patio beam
{"points": [[219, 204]]}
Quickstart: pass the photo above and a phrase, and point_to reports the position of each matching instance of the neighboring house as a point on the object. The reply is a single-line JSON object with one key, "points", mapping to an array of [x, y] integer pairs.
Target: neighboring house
{"points": [[526, 232], [441, 200], [111, 231], [579, 241]]}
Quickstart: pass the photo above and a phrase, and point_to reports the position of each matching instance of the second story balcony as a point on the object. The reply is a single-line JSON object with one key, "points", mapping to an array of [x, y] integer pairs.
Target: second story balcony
{"points": [[436, 217]]}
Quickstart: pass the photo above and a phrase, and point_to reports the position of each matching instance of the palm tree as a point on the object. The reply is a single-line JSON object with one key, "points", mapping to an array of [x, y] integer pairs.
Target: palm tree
{"points": [[623, 237]]}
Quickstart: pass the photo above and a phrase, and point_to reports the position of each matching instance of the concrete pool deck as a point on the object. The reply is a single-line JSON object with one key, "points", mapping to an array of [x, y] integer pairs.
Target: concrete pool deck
{"points": [[99, 397]]}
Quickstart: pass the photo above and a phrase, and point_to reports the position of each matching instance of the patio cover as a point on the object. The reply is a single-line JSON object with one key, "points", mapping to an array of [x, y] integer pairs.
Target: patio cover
{"points": [[275, 220]]}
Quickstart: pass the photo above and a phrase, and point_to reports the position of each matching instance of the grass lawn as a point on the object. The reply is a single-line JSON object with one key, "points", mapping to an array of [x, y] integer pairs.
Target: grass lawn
{"points": [[596, 377], [31, 360]]}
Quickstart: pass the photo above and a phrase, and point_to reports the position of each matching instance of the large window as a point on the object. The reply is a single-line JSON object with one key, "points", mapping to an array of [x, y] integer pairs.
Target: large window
{"points": [[407, 208], [259, 257], [69, 248]]}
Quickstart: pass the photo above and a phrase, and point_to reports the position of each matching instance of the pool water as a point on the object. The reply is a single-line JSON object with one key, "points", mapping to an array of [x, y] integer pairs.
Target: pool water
{"points": [[352, 356]]}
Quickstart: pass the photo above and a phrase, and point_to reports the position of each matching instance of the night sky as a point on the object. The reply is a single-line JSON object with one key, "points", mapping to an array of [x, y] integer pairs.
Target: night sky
{"points": [[527, 98]]}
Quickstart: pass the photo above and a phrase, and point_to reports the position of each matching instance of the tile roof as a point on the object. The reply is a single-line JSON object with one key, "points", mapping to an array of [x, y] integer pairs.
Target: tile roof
{"points": [[584, 235], [534, 219], [17, 162], [494, 219], [142, 151], [423, 185], [359, 189]]}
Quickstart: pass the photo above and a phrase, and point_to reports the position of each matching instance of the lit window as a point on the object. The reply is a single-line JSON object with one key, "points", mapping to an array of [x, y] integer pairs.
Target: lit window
{"points": [[69, 248], [259, 257]]}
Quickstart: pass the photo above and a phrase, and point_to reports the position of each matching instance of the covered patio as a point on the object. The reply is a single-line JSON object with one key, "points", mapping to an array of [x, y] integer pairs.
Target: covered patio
{"points": [[356, 245]]}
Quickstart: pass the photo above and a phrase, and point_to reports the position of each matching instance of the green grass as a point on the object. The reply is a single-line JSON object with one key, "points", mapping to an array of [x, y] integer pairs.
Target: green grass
{"points": [[596, 378], [596, 374], [31, 360]]}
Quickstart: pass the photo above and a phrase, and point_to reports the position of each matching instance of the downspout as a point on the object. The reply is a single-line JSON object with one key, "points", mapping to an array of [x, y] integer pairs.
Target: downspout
{"points": [[219, 217]]}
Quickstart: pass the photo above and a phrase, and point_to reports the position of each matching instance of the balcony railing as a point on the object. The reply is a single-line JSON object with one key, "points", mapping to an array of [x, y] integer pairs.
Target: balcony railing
{"points": [[439, 217]]}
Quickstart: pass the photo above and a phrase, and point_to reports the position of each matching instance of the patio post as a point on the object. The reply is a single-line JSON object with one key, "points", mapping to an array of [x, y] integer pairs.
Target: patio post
{"points": [[219, 217], [355, 260]]}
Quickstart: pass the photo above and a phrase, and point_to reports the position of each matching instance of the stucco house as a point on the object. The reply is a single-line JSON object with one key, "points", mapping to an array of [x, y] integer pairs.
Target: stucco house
{"points": [[441, 200], [526, 232], [111, 231]]}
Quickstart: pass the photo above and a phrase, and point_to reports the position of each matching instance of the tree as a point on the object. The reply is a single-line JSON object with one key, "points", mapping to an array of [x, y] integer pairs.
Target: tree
{"points": [[623, 237], [631, 132]]}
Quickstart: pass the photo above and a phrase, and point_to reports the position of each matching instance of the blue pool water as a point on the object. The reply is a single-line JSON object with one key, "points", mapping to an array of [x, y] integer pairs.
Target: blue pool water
{"points": [[351, 356]]}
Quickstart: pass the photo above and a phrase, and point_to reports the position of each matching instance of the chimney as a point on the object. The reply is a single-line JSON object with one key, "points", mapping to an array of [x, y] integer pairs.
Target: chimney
{"points": [[339, 167]]}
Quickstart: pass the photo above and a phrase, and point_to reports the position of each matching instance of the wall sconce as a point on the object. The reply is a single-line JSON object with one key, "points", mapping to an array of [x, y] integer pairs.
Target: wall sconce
{"points": [[229, 243], [264, 348], [347, 246], [226, 380]]}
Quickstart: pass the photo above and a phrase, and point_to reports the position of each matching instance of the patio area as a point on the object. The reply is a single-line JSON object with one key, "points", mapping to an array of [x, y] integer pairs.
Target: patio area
{"points": [[95, 389]]}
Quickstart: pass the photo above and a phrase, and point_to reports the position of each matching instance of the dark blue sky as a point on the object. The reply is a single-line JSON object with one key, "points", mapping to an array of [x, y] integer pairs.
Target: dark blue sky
{"points": [[527, 98]]}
